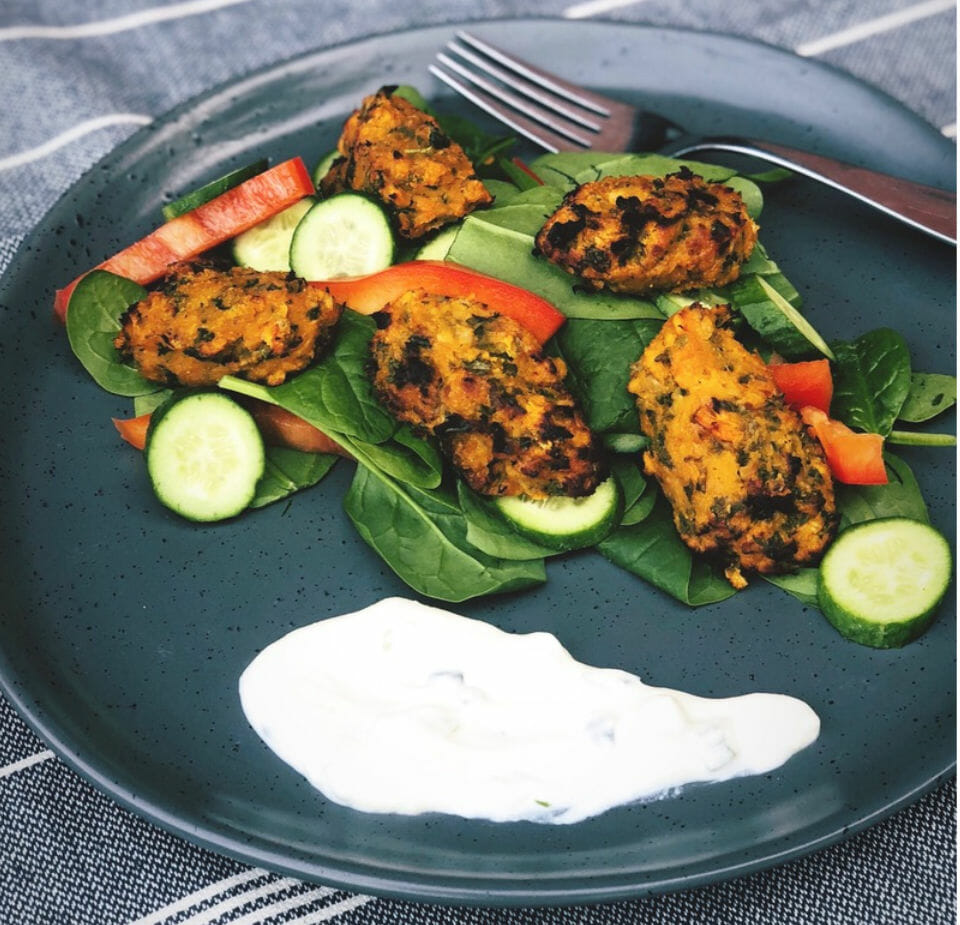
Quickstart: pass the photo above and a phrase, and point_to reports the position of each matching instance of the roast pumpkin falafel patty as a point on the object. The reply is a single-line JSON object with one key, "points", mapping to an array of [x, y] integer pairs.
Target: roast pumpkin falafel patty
{"points": [[479, 382], [641, 234], [398, 154], [747, 483], [202, 324]]}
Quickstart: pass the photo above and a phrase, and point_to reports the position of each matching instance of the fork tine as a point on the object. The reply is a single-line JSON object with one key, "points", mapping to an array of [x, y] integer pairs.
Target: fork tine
{"points": [[514, 101], [538, 134], [592, 101], [531, 90]]}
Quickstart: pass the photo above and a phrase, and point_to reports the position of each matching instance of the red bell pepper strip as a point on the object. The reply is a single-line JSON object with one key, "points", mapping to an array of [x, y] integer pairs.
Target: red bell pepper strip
{"points": [[133, 430], [216, 221], [369, 294], [805, 383], [277, 426], [283, 428], [854, 458]]}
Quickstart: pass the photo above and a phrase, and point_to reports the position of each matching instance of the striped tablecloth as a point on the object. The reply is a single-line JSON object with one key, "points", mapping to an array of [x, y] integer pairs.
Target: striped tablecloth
{"points": [[76, 78]]}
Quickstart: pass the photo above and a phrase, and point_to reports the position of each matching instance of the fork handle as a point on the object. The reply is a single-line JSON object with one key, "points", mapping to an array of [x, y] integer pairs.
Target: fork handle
{"points": [[926, 208]]}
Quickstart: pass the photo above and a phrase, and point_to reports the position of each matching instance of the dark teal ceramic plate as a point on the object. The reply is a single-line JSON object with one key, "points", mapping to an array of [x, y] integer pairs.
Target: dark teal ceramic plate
{"points": [[124, 629]]}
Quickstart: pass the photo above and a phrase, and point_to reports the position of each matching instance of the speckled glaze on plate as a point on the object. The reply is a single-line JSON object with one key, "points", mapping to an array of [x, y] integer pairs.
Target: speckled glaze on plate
{"points": [[123, 630]]}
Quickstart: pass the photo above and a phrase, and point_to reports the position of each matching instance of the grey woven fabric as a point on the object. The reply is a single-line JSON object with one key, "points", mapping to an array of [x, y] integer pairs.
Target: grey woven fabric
{"points": [[68, 854]]}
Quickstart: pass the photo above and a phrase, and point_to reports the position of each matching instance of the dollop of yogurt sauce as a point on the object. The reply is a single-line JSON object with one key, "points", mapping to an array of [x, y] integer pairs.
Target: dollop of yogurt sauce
{"points": [[406, 708]]}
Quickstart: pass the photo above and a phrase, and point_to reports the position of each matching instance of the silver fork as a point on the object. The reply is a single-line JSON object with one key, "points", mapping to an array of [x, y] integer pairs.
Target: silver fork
{"points": [[561, 116]]}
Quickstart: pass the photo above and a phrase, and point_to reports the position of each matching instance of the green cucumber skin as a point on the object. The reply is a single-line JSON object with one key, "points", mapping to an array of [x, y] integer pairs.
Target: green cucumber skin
{"points": [[887, 634], [586, 535], [198, 197], [875, 635], [323, 166]]}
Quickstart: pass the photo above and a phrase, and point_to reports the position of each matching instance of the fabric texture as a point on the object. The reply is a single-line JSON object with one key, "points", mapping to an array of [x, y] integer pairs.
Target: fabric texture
{"points": [[79, 77]]}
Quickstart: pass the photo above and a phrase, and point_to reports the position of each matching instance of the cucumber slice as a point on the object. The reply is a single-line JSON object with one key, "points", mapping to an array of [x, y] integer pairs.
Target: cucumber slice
{"points": [[564, 524], [776, 320], [266, 246], [345, 235], [204, 455], [211, 190], [324, 165], [439, 245], [881, 580]]}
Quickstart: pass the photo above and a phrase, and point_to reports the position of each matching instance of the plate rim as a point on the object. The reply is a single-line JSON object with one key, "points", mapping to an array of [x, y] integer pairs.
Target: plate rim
{"points": [[411, 889]]}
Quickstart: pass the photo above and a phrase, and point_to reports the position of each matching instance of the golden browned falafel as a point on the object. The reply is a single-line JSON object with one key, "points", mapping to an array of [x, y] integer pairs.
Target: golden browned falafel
{"points": [[480, 382], [641, 234], [747, 483], [398, 154], [202, 324]]}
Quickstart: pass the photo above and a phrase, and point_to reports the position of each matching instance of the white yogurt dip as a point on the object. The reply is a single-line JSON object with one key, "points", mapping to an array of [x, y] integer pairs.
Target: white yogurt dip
{"points": [[405, 708]]}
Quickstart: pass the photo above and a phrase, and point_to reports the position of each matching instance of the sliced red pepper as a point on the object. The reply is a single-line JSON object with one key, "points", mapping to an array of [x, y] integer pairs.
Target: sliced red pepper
{"points": [[283, 428], [133, 430], [806, 383], [369, 294], [277, 425], [854, 458], [216, 221]]}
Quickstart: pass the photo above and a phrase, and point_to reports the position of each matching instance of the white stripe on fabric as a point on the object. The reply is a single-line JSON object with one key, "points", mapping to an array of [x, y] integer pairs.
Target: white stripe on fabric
{"points": [[201, 896], [331, 912], [282, 906], [874, 26], [593, 7], [72, 134], [117, 24], [25, 763], [229, 903]]}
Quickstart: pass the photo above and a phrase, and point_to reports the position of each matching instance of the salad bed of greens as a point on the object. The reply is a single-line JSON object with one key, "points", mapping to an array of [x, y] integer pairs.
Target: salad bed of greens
{"points": [[440, 538]]}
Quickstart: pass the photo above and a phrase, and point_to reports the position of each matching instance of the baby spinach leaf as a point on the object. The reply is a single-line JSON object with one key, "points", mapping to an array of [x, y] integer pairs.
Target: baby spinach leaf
{"points": [[502, 191], [146, 404], [407, 458], [899, 497], [802, 584], [641, 508], [599, 355], [631, 480], [871, 380], [93, 320], [759, 262], [490, 533], [288, 471], [652, 549], [567, 170], [929, 395], [774, 175], [424, 541], [639, 495], [749, 193], [525, 212], [499, 251], [335, 394]]}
